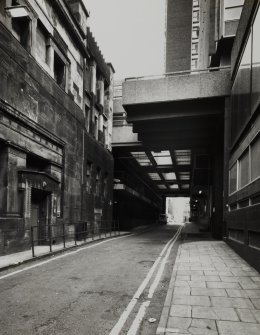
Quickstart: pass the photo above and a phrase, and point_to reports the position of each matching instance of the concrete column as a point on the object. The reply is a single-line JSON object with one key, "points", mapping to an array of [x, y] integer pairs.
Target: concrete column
{"points": [[217, 217], [11, 159], [226, 163]]}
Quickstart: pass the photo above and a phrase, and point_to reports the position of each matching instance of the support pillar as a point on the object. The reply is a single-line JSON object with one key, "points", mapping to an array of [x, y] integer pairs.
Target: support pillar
{"points": [[11, 158], [217, 215]]}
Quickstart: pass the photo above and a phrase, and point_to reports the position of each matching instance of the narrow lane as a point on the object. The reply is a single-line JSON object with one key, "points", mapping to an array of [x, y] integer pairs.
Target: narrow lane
{"points": [[86, 292]]}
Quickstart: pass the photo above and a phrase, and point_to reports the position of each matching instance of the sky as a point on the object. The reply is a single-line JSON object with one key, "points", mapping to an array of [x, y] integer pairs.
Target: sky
{"points": [[130, 34]]}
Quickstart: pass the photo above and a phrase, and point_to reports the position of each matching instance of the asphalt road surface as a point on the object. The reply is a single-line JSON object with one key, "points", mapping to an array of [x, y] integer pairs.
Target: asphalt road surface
{"points": [[113, 287]]}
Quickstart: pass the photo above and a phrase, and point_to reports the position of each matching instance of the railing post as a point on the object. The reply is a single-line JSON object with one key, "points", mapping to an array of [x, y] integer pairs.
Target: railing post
{"points": [[63, 235], [3, 240], [75, 238], [85, 231], [32, 242], [92, 230], [50, 237]]}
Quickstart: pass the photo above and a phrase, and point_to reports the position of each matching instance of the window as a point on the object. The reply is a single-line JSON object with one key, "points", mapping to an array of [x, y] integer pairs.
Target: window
{"points": [[87, 117], [88, 79], [93, 75], [105, 185], [88, 176], [256, 64], [240, 94], [59, 70], [195, 48], [233, 179], [247, 168], [243, 171], [98, 182], [96, 127], [100, 91], [255, 158], [195, 16], [21, 30], [194, 64], [105, 134], [233, 13], [195, 33]]}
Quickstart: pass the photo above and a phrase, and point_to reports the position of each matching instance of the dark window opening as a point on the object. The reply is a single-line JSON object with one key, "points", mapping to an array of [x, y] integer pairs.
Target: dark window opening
{"points": [[88, 177], [255, 200], [98, 181], [88, 79], [105, 185], [21, 30], [36, 163], [15, 3], [87, 117], [20, 201], [59, 71], [96, 127]]}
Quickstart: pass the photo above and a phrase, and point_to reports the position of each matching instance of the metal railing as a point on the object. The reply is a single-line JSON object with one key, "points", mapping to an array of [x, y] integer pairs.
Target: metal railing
{"points": [[69, 235], [178, 73]]}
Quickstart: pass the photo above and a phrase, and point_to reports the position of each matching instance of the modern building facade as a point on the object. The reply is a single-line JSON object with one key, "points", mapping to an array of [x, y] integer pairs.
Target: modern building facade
{"points": [[243, 124], [55, 121], [202, 117]]}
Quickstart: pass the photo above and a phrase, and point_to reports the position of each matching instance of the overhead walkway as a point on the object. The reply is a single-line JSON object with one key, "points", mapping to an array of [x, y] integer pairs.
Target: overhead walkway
{"points": [[174, 137]]}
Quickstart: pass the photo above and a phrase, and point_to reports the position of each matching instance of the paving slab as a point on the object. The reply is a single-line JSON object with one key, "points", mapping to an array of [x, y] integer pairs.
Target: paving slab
{"points": [[232, 302], [211, 292], [223, 285], [238, 328], [181, 311], [246, 315], [191, 300], [214, 313]]}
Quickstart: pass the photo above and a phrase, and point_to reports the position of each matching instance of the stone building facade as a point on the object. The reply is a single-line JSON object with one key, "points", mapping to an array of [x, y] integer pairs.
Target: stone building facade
{"points": [[55, 121]]}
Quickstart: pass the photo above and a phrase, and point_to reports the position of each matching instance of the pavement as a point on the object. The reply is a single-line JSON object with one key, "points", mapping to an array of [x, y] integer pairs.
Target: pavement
{"points": [[41, 251], [212, 291]]}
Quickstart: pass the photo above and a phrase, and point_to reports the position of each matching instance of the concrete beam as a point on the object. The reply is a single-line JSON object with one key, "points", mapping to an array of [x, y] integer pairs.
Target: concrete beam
{"points": [[124, 134], [177, 87]]}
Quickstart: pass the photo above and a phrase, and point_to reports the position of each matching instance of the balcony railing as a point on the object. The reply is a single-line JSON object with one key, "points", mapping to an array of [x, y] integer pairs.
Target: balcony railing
{"points": [[178, 73]]}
